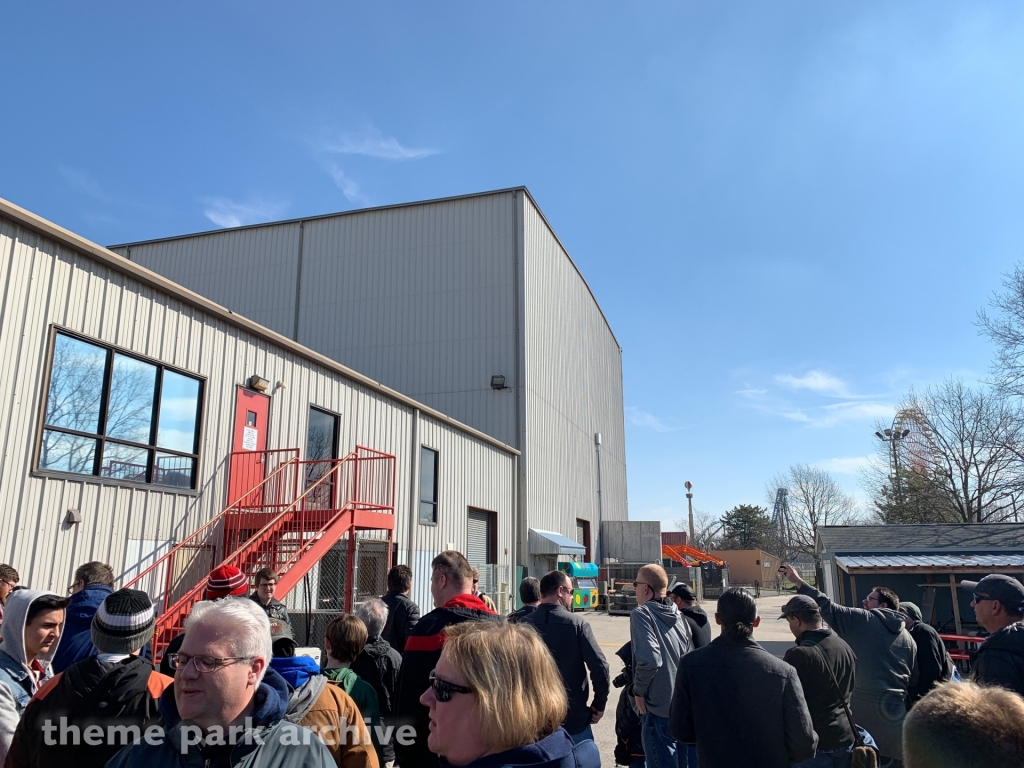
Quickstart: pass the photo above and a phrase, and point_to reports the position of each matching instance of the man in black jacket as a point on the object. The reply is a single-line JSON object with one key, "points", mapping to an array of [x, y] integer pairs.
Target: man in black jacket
{"points": [[933, 662], [686, 601], [999, 606], [571, 641], [451, 586], [379, 665], [403, 613], [529, 596], [827, 668]]}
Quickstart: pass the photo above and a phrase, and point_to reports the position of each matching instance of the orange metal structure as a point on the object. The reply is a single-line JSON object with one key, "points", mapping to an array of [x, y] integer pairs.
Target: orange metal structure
{"points": [[287, 520], [684, 553]]}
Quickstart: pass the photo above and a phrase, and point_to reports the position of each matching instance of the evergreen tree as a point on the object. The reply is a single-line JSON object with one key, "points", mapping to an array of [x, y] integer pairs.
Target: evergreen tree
{"points": [[746, 526]]}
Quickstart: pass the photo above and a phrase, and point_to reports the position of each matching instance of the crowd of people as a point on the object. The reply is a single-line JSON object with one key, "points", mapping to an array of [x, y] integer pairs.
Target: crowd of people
{"points": [[462, 685]]}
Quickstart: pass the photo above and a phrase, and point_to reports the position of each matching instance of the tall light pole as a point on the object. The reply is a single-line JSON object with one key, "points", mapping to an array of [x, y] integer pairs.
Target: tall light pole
{"points": [[892, 437], [689, 502]]}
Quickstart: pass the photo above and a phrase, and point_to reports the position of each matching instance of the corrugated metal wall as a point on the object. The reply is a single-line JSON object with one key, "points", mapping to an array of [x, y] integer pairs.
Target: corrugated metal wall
{"points": [[418, 298], [573, 374], [250, 271], [47, 283], [423, 298]]}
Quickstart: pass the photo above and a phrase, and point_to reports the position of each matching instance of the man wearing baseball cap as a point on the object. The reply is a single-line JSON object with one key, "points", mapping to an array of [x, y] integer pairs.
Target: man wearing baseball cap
{"points": [[826, 666], [999, 605], [686, 601]]}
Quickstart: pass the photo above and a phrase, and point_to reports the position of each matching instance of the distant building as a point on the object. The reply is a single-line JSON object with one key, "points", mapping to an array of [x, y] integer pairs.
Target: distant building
{"points": [[749, 565], [922, 563], [470, 305]]}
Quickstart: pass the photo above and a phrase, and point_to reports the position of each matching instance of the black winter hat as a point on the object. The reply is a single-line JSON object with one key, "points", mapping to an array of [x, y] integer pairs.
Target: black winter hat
{"points": [[124, 622]]}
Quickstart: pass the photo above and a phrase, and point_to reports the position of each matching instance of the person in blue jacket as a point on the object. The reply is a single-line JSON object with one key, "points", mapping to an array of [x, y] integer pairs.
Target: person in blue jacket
{"points": [[91, 585], [496, 700]]}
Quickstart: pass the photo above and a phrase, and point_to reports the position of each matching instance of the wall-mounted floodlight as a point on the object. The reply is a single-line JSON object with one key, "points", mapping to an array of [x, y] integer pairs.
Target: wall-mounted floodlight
{"points": [[498, 382], [258, 383]]}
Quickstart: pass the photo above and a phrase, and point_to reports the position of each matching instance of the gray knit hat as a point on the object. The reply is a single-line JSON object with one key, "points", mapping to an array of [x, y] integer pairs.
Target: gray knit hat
{"points": [[124, 622]]}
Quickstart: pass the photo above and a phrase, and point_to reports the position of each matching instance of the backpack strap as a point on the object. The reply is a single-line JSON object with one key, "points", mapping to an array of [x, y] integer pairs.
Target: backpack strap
{"points": [[858, 740]]}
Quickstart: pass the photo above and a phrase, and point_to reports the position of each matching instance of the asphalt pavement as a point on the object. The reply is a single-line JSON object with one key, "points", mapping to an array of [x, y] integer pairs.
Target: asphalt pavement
{"points": [[613, 631]]}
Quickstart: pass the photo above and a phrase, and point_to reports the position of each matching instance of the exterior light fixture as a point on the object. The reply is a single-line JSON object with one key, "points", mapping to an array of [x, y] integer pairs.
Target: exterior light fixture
{"points": [[498, 382], [258, 383], [73, 517]]}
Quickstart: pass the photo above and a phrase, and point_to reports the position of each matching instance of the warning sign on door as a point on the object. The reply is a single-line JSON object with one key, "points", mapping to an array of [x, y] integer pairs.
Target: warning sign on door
{"points": [[249, 436]]}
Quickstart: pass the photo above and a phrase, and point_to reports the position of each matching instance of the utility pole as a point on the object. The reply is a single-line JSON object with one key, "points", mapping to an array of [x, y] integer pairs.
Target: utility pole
{"points": [[689, 502]]}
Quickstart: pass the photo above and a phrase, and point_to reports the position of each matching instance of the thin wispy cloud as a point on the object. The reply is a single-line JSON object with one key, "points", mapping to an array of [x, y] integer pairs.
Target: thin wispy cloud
{"points": [[228, 213], [349, 188], [83, 182], [845, 465], [372, 143], [649, 420], [751, 392], [818, 382]]}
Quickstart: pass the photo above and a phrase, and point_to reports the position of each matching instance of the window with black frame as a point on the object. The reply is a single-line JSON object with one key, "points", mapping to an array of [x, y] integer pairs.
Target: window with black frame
{"points": [[428, 485], [114, 415]]}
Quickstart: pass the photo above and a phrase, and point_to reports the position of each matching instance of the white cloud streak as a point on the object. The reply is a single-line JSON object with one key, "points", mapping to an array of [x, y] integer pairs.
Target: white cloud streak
{"points": [[846, 465], [83, 182], [347, 185], [816, 381], [649, 420], [374, 144], [228, 213]]}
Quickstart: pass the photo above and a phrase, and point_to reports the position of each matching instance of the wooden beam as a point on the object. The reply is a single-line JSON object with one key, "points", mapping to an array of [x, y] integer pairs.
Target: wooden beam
{"points": [[956, 604], [853, 590], [842, 587]]}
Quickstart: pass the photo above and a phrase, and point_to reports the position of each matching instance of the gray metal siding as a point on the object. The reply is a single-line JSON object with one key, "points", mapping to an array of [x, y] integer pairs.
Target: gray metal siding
{"points": [[573, 374], [250, 271], [47, 283]]}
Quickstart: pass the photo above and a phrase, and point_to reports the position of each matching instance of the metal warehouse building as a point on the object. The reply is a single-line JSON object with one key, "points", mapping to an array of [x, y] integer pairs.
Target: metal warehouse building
{"points": [[470, 305], [146, 426]]}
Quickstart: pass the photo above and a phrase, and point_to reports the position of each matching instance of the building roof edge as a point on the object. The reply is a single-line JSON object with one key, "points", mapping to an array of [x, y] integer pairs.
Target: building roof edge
{"points": [[122, 265]]}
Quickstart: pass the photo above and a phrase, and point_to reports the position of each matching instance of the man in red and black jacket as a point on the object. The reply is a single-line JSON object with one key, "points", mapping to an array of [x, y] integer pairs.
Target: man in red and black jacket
{"points": [[451, 585]]}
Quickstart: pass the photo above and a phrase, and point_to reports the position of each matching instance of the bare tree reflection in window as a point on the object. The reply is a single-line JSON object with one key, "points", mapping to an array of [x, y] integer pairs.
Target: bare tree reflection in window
{"points": [[73, 402]]}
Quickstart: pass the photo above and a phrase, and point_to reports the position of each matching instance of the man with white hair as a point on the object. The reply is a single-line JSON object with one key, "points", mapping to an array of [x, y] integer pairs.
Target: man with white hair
{"points": [[226, 706], [379, 665]]}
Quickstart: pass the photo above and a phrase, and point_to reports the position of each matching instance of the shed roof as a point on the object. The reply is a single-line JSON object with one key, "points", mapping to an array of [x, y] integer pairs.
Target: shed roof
{"points": [[931, 561], [936, 537]]}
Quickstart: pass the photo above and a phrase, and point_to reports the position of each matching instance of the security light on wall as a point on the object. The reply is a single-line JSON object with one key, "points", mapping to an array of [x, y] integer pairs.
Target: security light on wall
{"points": [[258, 383], [498, 382]]}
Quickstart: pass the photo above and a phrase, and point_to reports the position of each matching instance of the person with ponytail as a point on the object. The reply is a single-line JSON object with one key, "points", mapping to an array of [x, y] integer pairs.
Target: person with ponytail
{"points": [[738, 703]]}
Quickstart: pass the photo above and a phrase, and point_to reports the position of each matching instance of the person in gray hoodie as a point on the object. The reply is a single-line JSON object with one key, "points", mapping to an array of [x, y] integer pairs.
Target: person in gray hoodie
{"points": [[660, 637], [886, 661], [31, 632]]}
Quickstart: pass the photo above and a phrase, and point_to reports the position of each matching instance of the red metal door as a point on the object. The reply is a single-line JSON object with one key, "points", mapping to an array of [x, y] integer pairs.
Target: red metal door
{"points": [[247, 464]]}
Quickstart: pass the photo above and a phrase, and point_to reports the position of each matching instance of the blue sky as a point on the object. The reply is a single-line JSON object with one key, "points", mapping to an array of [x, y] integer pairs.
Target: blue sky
{"points": [[790, 212]]}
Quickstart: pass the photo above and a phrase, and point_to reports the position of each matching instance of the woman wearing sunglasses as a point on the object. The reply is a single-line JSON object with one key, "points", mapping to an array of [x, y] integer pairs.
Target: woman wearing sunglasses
{"points": [[496, 700]]}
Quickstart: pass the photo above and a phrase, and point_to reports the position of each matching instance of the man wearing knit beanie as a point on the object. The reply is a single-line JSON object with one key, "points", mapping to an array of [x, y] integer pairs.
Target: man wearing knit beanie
{"points": [[115, 688], [223, 581]]}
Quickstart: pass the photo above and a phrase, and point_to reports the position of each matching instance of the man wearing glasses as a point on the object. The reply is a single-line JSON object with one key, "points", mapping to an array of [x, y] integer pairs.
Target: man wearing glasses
{"points": [[8, 581], [660, 636], [999, 605], [227, 707], [571, 641]]}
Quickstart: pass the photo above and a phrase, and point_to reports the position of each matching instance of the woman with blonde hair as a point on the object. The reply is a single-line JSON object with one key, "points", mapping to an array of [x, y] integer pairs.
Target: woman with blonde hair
{"points": [[497, 700]]}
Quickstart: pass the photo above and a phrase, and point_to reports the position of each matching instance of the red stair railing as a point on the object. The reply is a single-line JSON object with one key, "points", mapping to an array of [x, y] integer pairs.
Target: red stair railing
{"points": [[272, 524]]}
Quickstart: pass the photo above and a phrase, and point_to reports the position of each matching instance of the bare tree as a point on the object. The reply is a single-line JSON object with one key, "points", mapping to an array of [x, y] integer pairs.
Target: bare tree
{"points": [[969, 452], [1006, 330], [815, 499], [707, 529]]}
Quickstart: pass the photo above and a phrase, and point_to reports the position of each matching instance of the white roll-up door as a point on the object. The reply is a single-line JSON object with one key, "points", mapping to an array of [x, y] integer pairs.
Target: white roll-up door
{"points": [[478, 544]]}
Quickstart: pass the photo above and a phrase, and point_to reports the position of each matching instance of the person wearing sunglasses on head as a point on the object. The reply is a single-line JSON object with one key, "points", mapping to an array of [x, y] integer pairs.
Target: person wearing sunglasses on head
{"points": [[999, 605], [482, 716]]}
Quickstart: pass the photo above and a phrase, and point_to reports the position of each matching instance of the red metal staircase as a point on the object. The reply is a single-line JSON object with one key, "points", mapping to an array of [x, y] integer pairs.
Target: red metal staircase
{"points": [[687, 555], [292, 514]]}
